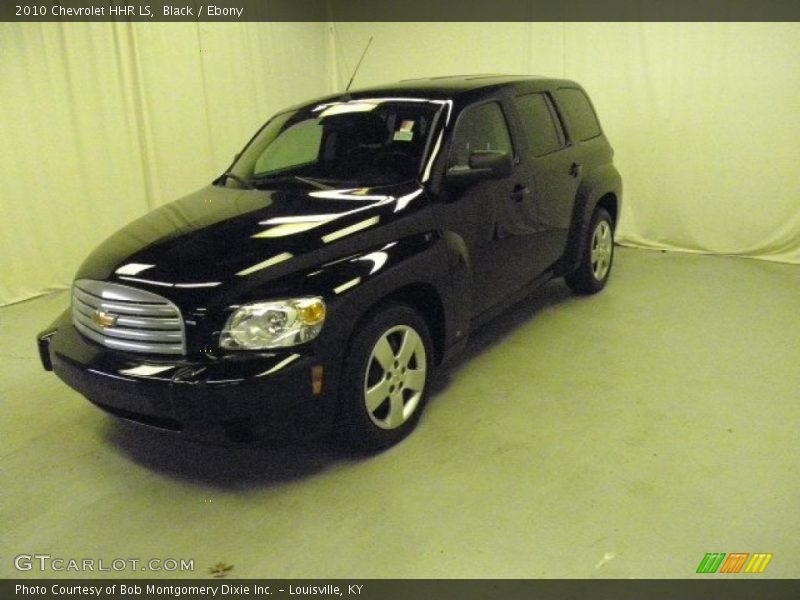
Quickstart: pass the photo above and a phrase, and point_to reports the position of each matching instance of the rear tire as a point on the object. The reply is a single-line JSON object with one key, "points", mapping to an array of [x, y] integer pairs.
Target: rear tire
{"points": [[385, 378], [597, 256]]}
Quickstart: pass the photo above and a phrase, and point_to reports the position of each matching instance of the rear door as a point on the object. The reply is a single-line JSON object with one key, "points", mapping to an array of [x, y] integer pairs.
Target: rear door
{"points": [[550, 171]]}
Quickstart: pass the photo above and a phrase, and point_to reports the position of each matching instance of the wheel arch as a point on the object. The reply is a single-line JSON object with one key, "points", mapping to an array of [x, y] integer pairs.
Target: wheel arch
{"points": [[601, 188], [610, 203], [424, 299]]}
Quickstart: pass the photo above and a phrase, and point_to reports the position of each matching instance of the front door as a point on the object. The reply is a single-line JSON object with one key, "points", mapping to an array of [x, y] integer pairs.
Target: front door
{"points": [[492, 216]]}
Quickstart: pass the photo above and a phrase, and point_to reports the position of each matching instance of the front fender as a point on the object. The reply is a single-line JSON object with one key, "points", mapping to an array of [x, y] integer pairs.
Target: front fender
{"points": [[418, 269]]}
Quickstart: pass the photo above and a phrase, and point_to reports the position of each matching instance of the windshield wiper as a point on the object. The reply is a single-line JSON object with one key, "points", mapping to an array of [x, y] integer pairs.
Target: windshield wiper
{"points": [[242, 180], [316, 183]]}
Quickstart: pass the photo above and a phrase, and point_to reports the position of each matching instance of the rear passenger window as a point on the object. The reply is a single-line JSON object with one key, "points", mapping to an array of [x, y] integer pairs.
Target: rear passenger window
{"points": [[481, 127], [540, 129], [582, 120]]}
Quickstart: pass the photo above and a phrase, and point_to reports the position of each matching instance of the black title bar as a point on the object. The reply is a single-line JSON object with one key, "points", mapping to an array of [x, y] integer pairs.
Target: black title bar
{"points": [[400, 10], [705, 588]]}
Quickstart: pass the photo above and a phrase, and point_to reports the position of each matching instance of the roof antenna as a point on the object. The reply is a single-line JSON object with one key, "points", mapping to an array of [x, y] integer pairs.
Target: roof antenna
{"points": [[363, 54]]}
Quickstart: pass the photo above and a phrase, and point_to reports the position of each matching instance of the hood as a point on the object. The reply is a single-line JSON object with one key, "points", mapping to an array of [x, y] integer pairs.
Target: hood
{"points": [[219, 235]]}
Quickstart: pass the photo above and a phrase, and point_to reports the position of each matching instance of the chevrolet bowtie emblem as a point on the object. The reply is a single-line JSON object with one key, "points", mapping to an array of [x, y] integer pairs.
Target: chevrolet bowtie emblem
{"points": [[103, 319]]}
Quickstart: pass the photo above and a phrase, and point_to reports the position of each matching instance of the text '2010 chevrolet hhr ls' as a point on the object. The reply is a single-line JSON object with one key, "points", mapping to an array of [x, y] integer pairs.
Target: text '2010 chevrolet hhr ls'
{"points": [[348, 251]]}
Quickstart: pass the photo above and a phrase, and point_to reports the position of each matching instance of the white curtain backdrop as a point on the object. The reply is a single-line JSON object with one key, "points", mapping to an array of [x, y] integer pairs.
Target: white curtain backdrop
{"points": [[101, 122]]}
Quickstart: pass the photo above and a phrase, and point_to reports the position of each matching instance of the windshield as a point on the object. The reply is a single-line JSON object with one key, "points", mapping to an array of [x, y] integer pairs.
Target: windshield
{"points": [[360, 142]]}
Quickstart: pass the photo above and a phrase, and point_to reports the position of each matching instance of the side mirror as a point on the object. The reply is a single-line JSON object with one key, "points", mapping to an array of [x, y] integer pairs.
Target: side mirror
{"points": [[483, 164]]}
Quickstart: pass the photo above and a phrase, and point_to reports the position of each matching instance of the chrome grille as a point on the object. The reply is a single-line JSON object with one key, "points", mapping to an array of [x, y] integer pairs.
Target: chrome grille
{"points": [[138, 321]]}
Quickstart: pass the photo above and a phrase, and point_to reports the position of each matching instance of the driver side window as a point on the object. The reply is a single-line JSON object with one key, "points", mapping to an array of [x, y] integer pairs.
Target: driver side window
{"points": [[481, 127]]}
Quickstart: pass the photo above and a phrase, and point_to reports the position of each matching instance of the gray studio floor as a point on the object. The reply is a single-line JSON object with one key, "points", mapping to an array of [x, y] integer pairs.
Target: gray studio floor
{"points": [[623, 435]]}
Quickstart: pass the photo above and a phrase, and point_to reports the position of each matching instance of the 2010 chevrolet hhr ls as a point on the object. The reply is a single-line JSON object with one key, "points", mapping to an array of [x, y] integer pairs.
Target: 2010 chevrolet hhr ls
{"points": [[350, 249]]}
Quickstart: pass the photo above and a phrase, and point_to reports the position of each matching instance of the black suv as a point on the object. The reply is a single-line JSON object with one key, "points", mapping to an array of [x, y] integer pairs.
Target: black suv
{"points": [[348, 251]]}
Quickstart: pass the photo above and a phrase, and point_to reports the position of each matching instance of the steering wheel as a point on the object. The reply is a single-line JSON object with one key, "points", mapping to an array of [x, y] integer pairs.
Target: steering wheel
{"points": [[394, 159]]}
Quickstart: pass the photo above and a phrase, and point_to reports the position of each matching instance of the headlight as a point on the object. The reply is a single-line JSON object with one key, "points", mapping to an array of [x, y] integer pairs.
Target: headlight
{"points": [[274, 324]]}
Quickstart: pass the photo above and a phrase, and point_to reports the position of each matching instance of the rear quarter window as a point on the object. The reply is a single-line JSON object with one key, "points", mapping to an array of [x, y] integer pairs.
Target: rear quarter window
{"points": [[582, 119]]}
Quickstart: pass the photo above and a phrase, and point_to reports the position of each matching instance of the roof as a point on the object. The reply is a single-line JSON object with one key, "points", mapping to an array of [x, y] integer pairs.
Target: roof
{"points": [[444, 87], [451, 84]]}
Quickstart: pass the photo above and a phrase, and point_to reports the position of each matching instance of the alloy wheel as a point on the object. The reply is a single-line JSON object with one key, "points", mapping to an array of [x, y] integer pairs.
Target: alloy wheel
{"points": [[602, 249], [395, 377]]}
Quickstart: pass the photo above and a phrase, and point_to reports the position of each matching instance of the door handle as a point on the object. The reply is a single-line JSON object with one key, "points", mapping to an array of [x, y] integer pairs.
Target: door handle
{"points": [[519, 192], [575, 169]]}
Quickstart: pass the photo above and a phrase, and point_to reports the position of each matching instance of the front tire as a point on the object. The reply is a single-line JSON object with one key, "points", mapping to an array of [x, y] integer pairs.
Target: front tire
{"points": [[597, 256], [385, 378]]}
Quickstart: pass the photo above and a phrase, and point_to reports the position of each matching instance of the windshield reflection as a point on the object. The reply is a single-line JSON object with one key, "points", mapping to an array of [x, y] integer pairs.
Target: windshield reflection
{"points": [[359, 142]]}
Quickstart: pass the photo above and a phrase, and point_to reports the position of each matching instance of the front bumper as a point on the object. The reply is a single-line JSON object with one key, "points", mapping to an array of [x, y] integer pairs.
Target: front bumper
{"points": [[264, 394]]}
